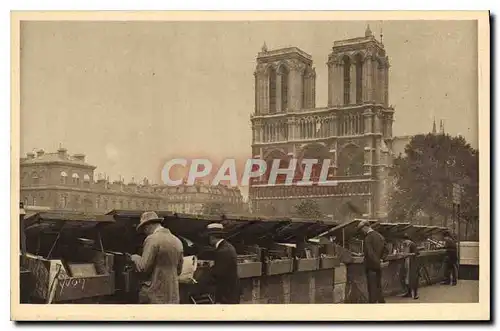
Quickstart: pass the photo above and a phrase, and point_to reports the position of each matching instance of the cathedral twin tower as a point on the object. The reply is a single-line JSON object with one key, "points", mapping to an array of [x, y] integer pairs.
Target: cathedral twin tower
{"points": [[358, 72], [353, 131]]}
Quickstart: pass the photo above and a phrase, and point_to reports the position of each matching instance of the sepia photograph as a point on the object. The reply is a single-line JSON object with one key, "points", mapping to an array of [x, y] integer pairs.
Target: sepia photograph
{"points": [[275, 165]]}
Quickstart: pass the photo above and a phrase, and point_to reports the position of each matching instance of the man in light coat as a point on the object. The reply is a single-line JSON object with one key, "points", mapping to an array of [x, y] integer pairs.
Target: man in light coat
{"points": [[160, 263]]}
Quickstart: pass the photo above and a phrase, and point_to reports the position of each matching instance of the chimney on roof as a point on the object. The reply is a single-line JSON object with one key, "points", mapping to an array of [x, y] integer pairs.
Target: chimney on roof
{"points": [[30, 155], [40, 153], [79, 157], [62, 152]]}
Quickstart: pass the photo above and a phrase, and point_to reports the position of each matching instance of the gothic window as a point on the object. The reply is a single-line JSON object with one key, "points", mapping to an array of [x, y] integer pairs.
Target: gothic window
{"points": [[359, 79], [355, 124], [256, 89], [304, 89], [272, 90], [64, 177], [284, 88], [347, 80], [351, 160]]}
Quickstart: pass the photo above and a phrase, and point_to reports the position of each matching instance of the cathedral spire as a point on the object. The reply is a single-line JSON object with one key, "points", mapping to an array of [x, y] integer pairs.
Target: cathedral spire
{"points": [[434, 126], [264, 48], [368, 31]]}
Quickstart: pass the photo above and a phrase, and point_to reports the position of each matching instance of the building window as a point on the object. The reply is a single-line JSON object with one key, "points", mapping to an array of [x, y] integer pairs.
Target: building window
{"points": [[347, 80], [76, 179], [35, 178], [64, 201], [284, 88], [86, 180], [64, 177], [272, 90]]}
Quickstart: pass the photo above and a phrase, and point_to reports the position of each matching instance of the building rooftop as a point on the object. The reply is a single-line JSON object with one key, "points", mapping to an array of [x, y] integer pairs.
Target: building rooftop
{"points": [[61, 156], [266, 54]]}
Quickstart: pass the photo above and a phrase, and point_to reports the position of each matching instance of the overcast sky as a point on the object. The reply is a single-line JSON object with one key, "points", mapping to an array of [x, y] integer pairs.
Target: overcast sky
{"points": [[131, 94]]}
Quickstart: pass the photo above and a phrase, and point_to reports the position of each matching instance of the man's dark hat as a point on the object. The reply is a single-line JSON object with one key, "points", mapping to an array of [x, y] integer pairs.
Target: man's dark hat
{"points": [[362, 224]]}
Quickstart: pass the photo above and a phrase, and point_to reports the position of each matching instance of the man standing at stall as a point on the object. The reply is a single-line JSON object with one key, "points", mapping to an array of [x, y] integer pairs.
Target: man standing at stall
{"points": [[411, 267], [225, 270], [160, 263], [374, 250], [451, 262]]}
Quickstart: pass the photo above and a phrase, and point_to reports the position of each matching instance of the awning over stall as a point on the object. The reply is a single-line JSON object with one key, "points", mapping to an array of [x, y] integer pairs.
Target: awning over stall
{"points": [[57, 221], [345, 231], [392, 230]]}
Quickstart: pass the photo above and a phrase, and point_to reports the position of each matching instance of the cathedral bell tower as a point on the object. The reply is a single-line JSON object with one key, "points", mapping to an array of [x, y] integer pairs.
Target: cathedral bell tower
{"points": [[358, 72], [284, 81], [358, 86]]}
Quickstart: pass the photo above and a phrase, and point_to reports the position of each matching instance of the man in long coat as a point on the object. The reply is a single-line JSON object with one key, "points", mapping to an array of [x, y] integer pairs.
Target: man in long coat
{"points": [[224, 273], [411, 267], [373, 249], [160, 263]]}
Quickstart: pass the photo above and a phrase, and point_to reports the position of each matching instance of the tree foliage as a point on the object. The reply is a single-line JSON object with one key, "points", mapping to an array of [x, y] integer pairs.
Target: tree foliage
{"points": [[425, 175], [308, 208]]}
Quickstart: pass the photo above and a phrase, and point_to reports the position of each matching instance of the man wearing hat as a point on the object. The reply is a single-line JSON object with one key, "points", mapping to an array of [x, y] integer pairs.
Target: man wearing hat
{"points": [[373, 249], [411, 267], [160, 263], [225, 270]]}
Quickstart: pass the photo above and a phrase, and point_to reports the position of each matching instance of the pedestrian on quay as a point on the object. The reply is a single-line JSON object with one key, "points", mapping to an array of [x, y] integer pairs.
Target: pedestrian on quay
{"points": [[451, 260], [160, 264], [411, 267], [374, 251], [224, 273]]}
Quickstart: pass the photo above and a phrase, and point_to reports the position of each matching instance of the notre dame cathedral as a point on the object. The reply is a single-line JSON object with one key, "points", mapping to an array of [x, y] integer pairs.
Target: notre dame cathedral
{"points": [[354, 130]]}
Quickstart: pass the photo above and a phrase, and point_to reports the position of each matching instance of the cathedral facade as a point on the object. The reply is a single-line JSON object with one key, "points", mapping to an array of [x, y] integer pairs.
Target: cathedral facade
{"points": [[354, 130]]}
